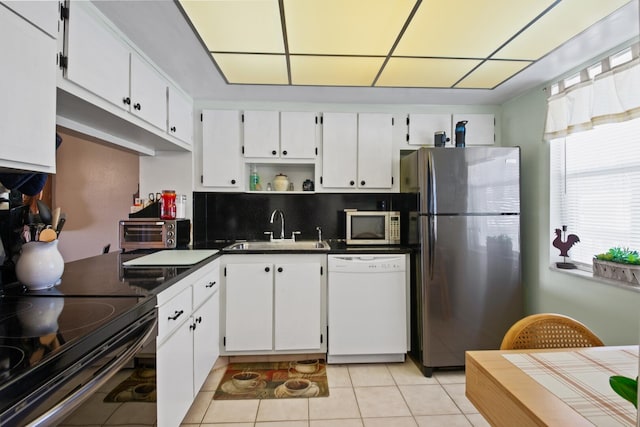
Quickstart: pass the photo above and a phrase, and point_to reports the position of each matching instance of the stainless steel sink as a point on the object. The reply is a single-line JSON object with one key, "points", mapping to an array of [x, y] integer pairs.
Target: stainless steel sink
{"points": [[286, 245]]}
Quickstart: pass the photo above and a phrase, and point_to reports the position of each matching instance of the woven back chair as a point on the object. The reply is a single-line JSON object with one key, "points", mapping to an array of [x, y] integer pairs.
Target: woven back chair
{"points": [[548, 330]]}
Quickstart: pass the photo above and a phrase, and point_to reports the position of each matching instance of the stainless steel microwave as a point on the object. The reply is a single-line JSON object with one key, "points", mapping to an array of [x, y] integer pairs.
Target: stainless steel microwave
{"points": [[154, 233], [373, 228]]}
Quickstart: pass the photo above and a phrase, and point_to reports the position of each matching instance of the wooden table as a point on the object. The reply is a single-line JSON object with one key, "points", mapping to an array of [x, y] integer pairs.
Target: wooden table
{"points": [[508, 396]]}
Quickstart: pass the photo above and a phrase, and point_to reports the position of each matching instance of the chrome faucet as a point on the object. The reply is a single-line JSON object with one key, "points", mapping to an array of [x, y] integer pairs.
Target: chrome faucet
{"points": [[319, 234], [273, 216]]}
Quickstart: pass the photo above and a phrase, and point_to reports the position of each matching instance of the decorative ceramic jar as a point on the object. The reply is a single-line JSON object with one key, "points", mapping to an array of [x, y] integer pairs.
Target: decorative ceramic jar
{"points": [[281, 182], [40, 265]]}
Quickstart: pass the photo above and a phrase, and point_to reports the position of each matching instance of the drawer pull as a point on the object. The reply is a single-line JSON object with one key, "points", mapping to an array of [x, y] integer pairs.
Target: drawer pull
{"points": [[211, 284], [176, 315]]}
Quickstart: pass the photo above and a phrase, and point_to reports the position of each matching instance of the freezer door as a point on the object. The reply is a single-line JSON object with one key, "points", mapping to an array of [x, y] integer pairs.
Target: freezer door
{"points": [[474, 180], [471, 291]]}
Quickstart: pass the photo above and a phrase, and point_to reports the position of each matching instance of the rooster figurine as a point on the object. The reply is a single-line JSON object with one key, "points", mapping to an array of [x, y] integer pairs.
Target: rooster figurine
{"points": [[564, 246]]}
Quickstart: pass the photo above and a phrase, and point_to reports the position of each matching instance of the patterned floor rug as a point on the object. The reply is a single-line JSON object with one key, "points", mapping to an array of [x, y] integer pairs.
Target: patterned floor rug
{"points": [[273, 380], [139, 387]]}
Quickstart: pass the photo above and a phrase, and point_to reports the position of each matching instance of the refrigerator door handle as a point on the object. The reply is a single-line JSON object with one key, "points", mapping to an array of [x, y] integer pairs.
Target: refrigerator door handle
{"points": [[432, 184], [433, 228]]}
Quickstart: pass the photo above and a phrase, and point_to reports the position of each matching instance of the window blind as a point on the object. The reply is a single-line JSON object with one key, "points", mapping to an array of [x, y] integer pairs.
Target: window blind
{"points": [[595, 188]]}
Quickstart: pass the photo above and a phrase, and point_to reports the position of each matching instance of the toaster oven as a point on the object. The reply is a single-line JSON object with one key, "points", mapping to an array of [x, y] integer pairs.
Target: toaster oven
{"points": [[154, 233]]}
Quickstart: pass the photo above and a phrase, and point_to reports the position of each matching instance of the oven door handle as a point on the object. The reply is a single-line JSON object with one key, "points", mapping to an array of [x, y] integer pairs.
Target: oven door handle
{"points": [[71, 402]]}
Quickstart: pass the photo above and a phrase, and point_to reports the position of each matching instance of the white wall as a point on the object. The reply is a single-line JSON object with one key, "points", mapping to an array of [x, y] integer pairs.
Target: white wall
{"points": [[611, 312]]}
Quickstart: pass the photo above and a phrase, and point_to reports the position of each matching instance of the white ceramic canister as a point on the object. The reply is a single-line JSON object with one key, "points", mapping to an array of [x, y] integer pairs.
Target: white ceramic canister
{"points": [[40, 265], [181, 206], [281, 182]]}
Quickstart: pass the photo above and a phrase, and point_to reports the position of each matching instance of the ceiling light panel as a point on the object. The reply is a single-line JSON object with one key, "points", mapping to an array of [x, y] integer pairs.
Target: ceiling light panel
{"points": [[334, 70], [252, 68], [424, 72], [466, 28], [237, 26], [491, 73], [563, 22], [345, 27]]}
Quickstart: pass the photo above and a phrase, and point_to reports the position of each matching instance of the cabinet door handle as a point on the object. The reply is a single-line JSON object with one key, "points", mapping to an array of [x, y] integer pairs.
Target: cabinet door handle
{"points": [[362, 182], [267, 269], [126, 101], [173, 128], [274, 152], [199, 319], [351, 182], [284, 153], [211, 284], [176, 314], [279, 269], [233, 181], [192, 326], [137, 106]]}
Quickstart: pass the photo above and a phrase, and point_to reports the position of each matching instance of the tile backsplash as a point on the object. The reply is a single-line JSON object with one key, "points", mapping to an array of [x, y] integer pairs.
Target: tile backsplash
{"points": [[245, 216]]}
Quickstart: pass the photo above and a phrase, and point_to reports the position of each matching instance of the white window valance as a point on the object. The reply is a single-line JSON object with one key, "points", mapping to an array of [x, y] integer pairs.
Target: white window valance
{"points": [[612, 96]]}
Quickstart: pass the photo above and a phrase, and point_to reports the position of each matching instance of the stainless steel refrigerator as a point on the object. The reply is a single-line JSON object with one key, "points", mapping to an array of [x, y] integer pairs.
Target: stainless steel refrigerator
{"points": [[466, 286]]}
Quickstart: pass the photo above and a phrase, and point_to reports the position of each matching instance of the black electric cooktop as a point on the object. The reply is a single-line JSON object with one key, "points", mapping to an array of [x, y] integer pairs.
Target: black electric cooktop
{"points": [[43, 334]]}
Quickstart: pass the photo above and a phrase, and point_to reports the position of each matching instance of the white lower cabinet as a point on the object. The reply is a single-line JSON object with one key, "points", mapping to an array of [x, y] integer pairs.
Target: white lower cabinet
{"points": [[274, 303], [187, 341]]}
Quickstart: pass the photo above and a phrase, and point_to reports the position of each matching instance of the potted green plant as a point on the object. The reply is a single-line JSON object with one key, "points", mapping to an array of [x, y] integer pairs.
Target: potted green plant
{"points": [[619, 264]]}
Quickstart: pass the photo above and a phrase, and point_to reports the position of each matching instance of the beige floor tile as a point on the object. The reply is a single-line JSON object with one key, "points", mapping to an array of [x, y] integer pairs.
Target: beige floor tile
{"points": [[338, 376], [450, 377], [381, 402], [227, 425], [456, 392], [428, 400], [93, 411], [198, 408], [213, 379], [133, 413], [477, 420], [341, 403], [408, 373], [352, 422], [443, 421], [370, 375], [230, 411], [304, 423], [283, 409], [390, 422]]}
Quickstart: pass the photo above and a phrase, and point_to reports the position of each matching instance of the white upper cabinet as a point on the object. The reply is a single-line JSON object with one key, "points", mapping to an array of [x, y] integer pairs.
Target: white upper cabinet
{"points": [[180, 119], [298, 135], [148, 93], [422, 128], [357, 151], [262, 134], [28, 88], [339, 150], [480, 128], [375, 150], [221, 149], [102, 68], [43, 14], [280, 135], [97, 60]]}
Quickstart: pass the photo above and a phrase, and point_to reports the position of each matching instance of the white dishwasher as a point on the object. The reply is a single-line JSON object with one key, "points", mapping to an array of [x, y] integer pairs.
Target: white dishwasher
{"points": [[367, 307]]}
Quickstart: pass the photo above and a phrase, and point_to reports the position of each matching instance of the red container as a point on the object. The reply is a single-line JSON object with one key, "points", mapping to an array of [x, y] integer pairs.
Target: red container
{"points": [[168, 204]]}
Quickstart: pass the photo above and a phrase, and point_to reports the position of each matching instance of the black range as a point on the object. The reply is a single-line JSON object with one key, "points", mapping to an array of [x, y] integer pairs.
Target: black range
{"points": [[61, 343]]}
